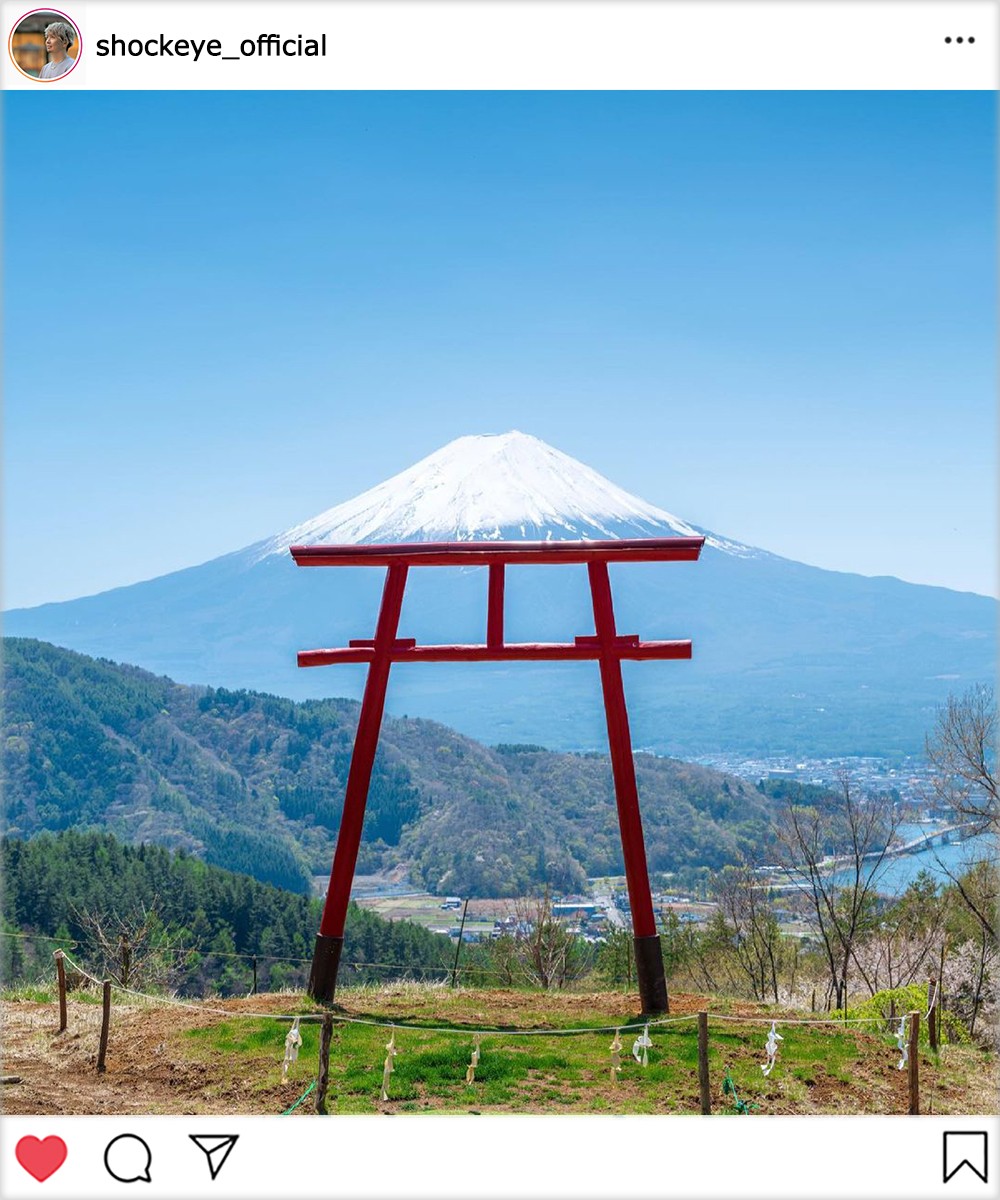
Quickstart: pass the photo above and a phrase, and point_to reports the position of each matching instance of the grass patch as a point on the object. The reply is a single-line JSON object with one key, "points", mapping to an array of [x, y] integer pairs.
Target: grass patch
{"points": [[820, 1068], [28, 994], [37, 994]]}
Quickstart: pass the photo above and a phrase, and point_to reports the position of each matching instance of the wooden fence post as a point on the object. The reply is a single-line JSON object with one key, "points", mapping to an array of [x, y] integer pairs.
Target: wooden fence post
{"points": [[913, 1063], [703, 1084], [61, 980], [932, 1023], [323, 1075], [254, 964], [105, 1026]]}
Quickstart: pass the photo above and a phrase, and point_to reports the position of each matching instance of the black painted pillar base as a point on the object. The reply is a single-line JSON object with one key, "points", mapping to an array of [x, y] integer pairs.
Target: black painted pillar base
{"points": [[326, 960], [650, 976]]}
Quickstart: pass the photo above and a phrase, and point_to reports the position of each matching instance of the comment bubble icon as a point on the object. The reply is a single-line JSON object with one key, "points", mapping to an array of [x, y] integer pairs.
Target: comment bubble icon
{"points": [[128, 1159]]}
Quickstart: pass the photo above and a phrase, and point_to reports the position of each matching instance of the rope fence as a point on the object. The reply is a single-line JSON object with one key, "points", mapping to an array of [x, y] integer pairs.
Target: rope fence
{"points": [[404, 972], [97, 1021], [465, 1030]]}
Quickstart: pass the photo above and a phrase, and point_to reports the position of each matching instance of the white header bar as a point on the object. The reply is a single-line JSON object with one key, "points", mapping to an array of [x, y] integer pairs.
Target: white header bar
{"points": [[517, 44]]}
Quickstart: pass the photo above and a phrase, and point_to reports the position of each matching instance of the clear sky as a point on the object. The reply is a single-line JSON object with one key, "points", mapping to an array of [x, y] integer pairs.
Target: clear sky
{"points": [[771, 313]]}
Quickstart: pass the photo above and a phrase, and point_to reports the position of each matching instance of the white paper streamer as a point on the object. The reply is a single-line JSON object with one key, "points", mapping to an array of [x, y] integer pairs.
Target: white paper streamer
{"points": [[640, 1046], [388, 1068], [616, 1056], [771, 1048], [470, 1074], [901, 1042], [293, 1042]]}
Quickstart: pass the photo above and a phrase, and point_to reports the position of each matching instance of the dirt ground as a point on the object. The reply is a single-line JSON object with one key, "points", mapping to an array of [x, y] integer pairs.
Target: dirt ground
{"points": [[149, 1070], [146, 1074], [58, 1070]]}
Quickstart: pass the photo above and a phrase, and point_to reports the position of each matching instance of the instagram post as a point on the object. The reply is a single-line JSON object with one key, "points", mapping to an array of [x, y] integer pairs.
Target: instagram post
{"points": [[499, 600]]}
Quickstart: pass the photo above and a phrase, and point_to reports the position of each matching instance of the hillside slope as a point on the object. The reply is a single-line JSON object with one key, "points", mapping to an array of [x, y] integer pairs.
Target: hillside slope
{"points": [[255, 783]]}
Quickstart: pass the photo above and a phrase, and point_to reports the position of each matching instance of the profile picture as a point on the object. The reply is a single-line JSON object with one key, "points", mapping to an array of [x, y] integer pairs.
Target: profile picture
{"points": [[45, 45]]}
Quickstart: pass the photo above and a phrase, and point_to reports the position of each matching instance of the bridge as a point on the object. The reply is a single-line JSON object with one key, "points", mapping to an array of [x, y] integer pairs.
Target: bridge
{"points": [[923, 841]]}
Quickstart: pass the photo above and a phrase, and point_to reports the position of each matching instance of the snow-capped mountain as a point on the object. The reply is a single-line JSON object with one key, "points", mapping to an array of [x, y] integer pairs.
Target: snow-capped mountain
{"points": [[787, 657], [495, 487]]}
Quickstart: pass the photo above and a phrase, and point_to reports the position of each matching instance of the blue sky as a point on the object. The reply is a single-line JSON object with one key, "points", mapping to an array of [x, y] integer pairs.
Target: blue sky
{"points": [[770, 313]]}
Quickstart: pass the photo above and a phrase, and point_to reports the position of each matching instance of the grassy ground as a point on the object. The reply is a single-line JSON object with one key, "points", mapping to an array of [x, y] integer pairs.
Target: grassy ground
{"points": [[821, 1068], [226, 1057]]}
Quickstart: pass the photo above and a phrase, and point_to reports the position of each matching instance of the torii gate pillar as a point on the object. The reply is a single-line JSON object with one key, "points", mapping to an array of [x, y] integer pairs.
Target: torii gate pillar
{"points": [[330, 939], [606, 646], [648, 953]]}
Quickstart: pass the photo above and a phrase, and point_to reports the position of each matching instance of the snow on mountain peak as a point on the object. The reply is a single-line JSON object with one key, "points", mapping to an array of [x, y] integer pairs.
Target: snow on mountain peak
{"points": [[494, 487]]}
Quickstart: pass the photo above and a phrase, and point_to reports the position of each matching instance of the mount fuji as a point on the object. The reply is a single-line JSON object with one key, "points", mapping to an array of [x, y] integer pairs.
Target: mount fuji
{"points": [[505, 487], [788, 658]]}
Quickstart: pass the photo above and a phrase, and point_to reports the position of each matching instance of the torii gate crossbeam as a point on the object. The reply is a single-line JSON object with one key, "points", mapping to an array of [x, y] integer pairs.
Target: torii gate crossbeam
{"points": [[606, 646]]}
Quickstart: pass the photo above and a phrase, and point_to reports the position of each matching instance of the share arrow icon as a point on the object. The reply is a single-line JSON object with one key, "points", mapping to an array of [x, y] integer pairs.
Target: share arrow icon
{"points": [[215, 1147]]}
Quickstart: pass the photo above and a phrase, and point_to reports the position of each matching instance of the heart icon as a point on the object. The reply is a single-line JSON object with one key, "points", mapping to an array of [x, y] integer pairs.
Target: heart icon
{"points": [[41, 1158]]}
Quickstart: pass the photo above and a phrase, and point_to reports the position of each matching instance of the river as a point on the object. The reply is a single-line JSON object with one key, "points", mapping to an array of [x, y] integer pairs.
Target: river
{"points": [[899, 872]]}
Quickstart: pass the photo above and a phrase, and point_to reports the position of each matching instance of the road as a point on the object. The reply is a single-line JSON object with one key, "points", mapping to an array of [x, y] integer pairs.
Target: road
{"points": [[616, 917]]}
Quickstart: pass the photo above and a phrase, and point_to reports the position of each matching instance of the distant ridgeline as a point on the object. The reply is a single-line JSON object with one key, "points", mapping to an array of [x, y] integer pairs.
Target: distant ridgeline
{"points": [[54, 883], [788, 658], [255, 783]]}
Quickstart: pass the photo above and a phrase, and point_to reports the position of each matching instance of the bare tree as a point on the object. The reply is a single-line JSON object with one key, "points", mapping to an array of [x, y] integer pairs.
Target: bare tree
{"points": [[745, 904], [902, 947], [504, 959], [549, 955], [131, 948], [971, 973], [709, 965], [963, 750], [847, 841]]}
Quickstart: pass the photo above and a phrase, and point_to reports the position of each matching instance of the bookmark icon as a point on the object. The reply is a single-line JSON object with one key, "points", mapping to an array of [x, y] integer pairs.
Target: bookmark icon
{"points": [[965, 1148], [215, 1147]]}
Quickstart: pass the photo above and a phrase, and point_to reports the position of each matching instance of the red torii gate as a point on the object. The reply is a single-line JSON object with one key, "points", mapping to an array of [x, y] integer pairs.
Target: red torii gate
{"points": [[607, 646]]}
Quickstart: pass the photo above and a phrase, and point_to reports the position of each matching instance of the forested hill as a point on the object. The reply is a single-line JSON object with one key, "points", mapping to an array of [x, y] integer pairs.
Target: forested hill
{"points": [[255, 783], [199, 920]]}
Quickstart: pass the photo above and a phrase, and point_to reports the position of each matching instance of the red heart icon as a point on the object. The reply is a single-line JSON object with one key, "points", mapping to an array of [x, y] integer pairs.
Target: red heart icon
{"points": [[41, 1158]]}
